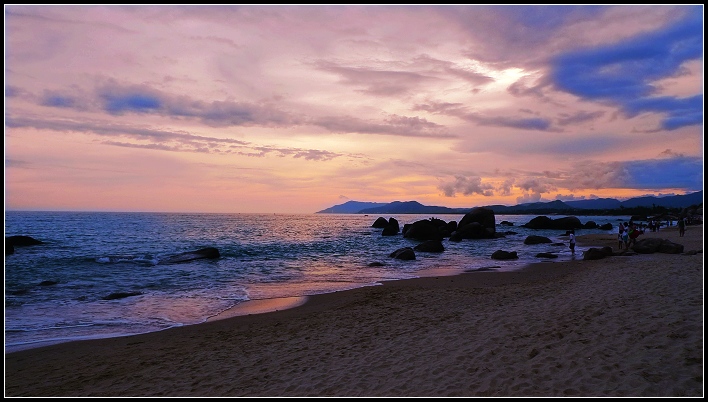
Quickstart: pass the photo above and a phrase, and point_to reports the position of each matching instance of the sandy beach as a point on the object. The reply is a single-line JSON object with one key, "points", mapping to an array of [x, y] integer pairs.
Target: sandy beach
{"points": [[622, 326]]}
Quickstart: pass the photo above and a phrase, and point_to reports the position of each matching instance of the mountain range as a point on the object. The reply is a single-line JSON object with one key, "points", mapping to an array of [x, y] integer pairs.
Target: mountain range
{"points": [[414, 207]]}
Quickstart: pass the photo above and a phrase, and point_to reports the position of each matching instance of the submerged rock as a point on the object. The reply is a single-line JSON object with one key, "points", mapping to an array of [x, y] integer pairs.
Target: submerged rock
{"points": [[208, 252]]}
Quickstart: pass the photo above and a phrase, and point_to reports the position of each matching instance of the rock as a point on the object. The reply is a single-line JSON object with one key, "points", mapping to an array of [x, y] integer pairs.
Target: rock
{"points": [[544, 222], [22, 241], [594, 254], [423, 230], [590, 225], [430, 246], [405, 253], [479, 223], [204, 253], [606, 226], [533, 239], [19, 241], [121, 295], [380, 223], [392, 228], [656, 245], [504, 255], [546, 255]]}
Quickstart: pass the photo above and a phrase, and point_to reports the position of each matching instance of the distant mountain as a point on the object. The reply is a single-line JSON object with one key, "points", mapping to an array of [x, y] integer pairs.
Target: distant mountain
{"points": [[557, 204], [414, 207], [672, 201], [351, 207], [596, 203], [410, 207]]}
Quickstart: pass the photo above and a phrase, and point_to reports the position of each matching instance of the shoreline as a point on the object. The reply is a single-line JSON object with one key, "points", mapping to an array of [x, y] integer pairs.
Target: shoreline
{"points": [[573, 328]]}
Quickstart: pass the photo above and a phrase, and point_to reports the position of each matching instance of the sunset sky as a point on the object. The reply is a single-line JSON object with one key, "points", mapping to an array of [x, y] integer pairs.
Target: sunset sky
{"points": [[294, 108]]}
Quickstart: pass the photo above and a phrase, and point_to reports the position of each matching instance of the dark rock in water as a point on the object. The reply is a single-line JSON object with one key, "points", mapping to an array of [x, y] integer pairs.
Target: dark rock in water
{"points": [[606, 226], [208, 252], [392, 228], [504, 255], [376, 264], [19, 241], [121, 295], [405, 253], [533, 239], [544, 222], [48, 283], [479, 223], [380, 223], [591, 225], [425, 229], [430, 246], [546, 255], [18, 292], [22, 241]]}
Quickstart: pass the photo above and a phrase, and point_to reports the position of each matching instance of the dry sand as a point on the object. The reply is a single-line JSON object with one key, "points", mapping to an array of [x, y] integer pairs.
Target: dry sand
{"points": [[619, 326]]}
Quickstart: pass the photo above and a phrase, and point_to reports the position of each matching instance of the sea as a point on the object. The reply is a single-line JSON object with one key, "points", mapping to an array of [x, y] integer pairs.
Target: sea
{"points": [[60, 290]]}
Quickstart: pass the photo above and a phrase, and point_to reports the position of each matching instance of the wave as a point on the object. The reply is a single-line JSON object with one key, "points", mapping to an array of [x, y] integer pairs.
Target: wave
{"points": [[114, 259]]}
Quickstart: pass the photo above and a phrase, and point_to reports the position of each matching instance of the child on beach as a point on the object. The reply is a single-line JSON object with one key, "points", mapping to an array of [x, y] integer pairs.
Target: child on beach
{"points": [[572, 241], [625, 236], [620, 232], [682, 226]]}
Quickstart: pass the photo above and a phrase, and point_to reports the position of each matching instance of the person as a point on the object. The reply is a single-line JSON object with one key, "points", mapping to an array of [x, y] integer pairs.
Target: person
{"points": [[620, 232], [625, 236], [572, 241], [682, 227], [633, 233]]}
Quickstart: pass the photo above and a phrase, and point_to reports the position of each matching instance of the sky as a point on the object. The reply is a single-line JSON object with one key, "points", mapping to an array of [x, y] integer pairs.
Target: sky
{"points": [[296, 108]]}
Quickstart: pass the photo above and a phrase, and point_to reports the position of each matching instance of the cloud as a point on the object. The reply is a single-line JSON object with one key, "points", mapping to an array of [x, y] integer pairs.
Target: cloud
{"points": [[623, 73], [466, 186], [168, 140], [141, 99], [656, 174], [377, 82], [679, 172]]}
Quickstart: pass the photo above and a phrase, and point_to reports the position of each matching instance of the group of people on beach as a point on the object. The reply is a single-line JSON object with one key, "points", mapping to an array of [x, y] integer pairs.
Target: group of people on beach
{"points": [[627, 234]]}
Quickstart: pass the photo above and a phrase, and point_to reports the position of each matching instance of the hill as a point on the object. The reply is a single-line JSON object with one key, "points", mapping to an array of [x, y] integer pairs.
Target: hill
{"points": [[595, 205]]}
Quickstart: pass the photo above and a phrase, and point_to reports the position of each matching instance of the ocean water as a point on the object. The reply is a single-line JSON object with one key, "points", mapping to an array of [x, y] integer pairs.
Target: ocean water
{"points": [[91, 255]]}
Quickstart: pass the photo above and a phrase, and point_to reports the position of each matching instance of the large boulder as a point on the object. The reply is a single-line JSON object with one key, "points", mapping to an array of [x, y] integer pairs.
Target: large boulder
{"points": [[380, 223], [479, 223], [392, 227], [22, 241], [19, 241], [594, 253], [544, 222], [424, 230], [656, 245]]}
